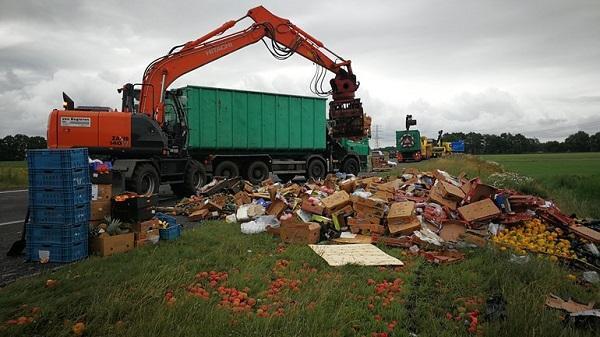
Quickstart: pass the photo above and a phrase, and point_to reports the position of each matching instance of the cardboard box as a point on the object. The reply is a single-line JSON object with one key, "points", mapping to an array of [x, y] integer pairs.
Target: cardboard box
{"points": [[145, 226], [438, 198], [405, 228], [108, 245], [101, 178], [478, 211], [401, 211], [450, 191], [99, 209], [147, 234], [370, 202], [242, 198], [101, 192], [358, 225], [276, 208], [348, 185], [372, 212], [309, 207], [336, 200], [368, 217], [302, 233]]}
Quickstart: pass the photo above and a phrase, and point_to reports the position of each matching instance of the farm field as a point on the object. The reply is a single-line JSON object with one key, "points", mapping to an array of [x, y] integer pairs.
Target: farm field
{"points": [[13, 174], [549, 165]]}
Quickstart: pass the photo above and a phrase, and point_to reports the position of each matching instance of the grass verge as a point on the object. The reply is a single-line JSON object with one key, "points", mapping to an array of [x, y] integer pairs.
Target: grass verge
{"points": [[123, 295]]}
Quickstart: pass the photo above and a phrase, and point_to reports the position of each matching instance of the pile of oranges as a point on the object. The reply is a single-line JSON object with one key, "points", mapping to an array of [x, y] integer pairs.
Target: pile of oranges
{"points": [[534, 236]]}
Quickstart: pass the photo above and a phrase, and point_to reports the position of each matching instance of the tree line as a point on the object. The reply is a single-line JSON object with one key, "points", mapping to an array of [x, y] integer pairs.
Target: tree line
{"points": [[477, 143], [15, 147]]}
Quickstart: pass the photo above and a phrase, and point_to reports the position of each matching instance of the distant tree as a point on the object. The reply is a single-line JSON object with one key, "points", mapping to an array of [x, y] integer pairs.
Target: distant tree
{"points": [[578, 142], [553, 146], [36, 142], [15, 147], [595, 142]]}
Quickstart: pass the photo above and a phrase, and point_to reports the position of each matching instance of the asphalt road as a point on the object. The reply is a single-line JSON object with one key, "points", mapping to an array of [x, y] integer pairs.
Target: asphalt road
{"points": [[13, 206], [13, 209]]}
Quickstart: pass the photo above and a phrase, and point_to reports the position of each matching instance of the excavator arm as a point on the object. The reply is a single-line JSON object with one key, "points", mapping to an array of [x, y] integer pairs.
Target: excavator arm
{"points": [[286, 39]]}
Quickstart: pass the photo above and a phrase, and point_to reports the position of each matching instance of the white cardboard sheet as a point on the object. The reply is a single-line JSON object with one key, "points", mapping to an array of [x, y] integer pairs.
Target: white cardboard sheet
{"points": [[360, 254]]}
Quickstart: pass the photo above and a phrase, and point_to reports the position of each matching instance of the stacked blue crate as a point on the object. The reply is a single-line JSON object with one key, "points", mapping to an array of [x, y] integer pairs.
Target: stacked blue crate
{"points": [[59, 203]]}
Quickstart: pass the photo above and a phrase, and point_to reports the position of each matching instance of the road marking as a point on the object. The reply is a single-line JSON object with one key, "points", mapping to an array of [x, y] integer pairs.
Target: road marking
{"points": [[11, 223], [15, 191]]}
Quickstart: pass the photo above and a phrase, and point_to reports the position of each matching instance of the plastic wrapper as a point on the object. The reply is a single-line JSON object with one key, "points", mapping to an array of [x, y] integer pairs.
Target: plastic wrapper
{"points": [[259, 225]]}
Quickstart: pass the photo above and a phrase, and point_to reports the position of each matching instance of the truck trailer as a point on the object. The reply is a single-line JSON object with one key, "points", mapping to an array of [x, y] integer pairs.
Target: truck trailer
{"points": [[252, 134]]}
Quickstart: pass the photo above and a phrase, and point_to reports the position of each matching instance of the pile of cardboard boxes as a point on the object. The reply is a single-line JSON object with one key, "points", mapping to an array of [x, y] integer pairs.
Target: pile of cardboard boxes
{"points": [[134, 210], [411, 208]]}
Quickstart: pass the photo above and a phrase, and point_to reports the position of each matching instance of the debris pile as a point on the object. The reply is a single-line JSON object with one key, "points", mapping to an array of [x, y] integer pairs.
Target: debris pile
{"points": [[431, 213]]}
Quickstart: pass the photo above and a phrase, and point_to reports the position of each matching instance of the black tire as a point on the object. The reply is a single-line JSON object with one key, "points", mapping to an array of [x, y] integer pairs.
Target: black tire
{"points": [[257, 172], [227, 169], [285, 178], [194, 178], [144, 180], [316, 169], [351, 165]]}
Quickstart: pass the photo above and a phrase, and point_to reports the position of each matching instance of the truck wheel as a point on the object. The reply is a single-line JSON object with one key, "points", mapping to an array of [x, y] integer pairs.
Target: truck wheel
{"points": [[194, 178], [227, 169], [351, 165], [145, 180], [257, 172], [316, 169]]}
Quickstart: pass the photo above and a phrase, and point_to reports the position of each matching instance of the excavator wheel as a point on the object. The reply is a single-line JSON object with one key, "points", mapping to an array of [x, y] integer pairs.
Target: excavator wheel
{"points": [[227, 169], [194, 178], [257, 172], [145, 180], [351, 166]]}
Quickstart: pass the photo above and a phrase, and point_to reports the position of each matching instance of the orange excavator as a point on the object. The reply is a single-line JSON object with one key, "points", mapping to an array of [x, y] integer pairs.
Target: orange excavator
{"points": [[136, 139]]}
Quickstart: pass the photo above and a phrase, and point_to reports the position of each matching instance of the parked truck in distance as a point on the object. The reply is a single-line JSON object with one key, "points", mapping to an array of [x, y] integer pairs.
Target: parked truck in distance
{"points": [[252, 134], [410, 145]]}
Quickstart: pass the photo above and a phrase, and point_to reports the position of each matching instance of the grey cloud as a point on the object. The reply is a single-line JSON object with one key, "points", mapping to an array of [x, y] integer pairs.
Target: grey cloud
{"points": [[487, 66]]}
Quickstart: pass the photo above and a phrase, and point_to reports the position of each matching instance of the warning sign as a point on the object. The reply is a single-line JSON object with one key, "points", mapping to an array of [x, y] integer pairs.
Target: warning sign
{"points": [[76, 122]]}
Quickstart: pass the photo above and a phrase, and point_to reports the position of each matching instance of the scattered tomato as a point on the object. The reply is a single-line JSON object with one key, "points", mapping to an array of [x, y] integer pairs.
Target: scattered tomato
{"points": [[78, 328]]}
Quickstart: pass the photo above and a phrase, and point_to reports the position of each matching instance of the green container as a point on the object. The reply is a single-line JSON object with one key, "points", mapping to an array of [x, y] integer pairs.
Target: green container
{"points": [[408, 141], [225, 119]]}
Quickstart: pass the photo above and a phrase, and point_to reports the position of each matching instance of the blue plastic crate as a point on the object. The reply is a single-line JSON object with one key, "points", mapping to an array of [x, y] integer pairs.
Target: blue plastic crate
{"points": [[171, 233], [61, 178], [60, 196], [62, 253], [57, 158], [171, 220], [60, 215], [57, 233]]}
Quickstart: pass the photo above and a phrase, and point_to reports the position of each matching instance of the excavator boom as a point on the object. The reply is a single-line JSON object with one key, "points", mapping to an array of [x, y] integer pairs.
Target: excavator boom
{"points": [[286, 40]]}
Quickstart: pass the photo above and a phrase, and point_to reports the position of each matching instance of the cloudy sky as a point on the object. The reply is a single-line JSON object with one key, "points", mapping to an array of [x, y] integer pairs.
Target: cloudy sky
{"points": [[485, 66]]}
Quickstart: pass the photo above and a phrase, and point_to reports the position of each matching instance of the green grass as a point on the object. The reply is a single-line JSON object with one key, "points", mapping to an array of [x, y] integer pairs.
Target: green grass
{"points": [[571, 180], [123, 295], [550, 165], [13, 174]]}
